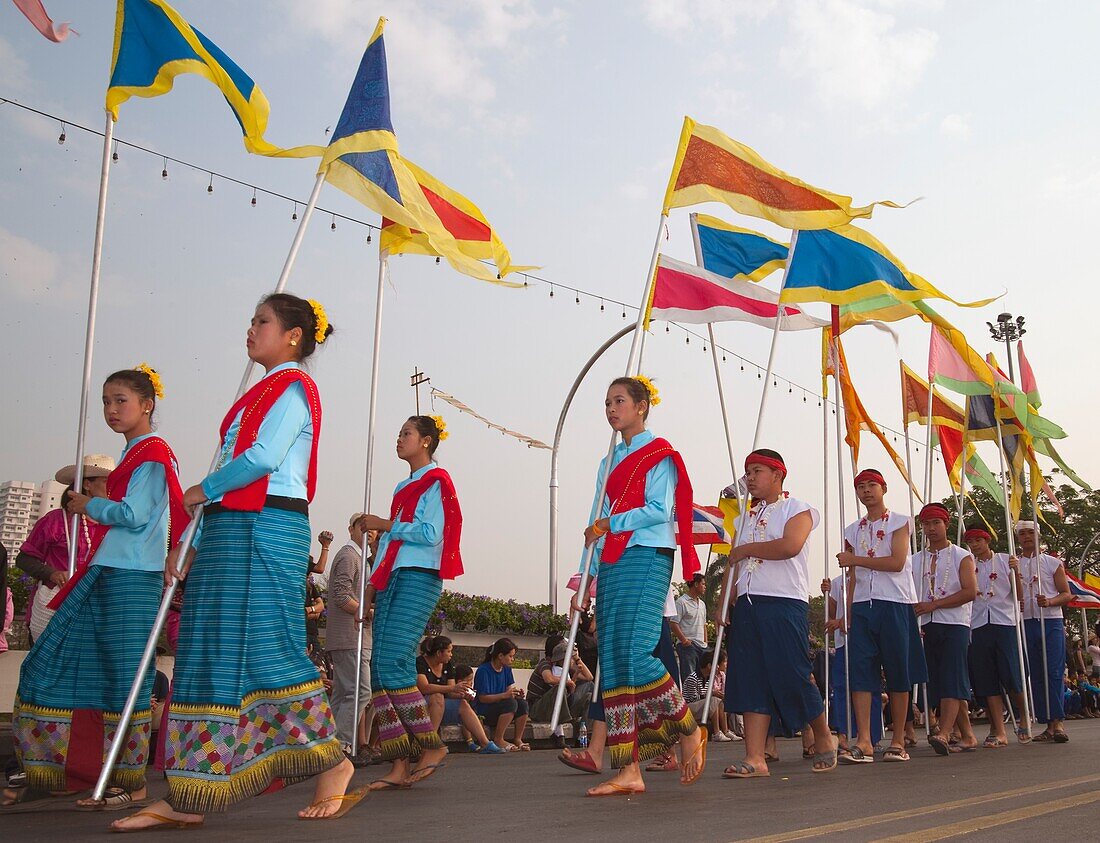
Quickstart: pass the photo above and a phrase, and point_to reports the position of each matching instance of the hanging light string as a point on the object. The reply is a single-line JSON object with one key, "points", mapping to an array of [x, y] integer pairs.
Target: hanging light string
{"points": [[604, 301]]}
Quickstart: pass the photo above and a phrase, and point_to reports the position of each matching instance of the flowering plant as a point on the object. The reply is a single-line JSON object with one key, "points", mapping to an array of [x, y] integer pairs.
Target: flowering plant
{"points": [[465, 613]]}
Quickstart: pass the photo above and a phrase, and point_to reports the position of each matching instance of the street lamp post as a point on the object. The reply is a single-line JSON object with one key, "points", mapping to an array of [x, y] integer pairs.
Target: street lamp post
{"points": [[1007, 331]]}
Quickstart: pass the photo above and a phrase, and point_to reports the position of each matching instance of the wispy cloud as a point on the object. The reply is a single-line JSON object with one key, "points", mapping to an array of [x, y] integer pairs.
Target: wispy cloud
{"points": [[955, 126], [724, 17]]}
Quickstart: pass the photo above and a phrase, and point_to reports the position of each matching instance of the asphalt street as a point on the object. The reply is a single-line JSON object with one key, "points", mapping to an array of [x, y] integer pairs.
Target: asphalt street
{"points": [[1016, 793]]}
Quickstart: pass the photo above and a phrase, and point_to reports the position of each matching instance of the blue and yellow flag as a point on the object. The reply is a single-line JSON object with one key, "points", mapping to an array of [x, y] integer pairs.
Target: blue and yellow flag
{"points": [[154, 45], [735, 252], [362, 159], [846, 264]]}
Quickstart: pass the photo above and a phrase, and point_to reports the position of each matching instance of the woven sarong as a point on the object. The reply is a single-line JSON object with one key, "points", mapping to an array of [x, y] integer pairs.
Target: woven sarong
{"points": [[644, 709], [248, 706], [400, 615], [74, 683]]}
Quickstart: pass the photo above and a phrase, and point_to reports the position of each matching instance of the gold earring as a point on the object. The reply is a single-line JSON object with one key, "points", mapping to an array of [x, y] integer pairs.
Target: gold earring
{"points": [[294, 342]]}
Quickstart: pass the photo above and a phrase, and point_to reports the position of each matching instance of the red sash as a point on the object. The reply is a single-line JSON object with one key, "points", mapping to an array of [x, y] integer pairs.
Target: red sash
{"points": [[626, 490], [254, 406], [153, 449], [403, 509]]}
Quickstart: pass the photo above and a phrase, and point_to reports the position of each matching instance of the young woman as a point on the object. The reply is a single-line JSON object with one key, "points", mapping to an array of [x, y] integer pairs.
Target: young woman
{"points": [[78, 675], [646, 713], [419, 549], [448, 702], [500, 701], [248, 707]]}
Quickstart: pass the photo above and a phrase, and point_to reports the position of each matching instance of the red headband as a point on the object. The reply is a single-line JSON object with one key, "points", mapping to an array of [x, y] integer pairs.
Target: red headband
{"points": [[976, 533], [933, 511], [770, 462], [869, 475]]}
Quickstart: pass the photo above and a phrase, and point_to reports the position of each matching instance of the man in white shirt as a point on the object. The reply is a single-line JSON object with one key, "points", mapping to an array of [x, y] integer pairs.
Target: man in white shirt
{"points": [[689, 628], [944, 576], [884, 638], [994, 651], [768, 681], [1045, 592]]}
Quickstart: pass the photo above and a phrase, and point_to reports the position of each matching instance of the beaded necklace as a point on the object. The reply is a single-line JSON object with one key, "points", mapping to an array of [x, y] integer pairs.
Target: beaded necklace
{"points": [[758, 529], [871, 550], [935, 590], [989, 592]]}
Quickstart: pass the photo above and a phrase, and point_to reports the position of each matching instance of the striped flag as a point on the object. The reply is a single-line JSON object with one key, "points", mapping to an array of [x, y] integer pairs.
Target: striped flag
{"points": [[1084, 596], [683, 292], [707, 526]]}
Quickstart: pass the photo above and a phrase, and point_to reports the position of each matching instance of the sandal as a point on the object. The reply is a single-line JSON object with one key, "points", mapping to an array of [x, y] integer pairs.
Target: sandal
{"points": [[114, 799], [1043, 737], [745, 771], [993, 742], [895, 753], [663, 764], [1061, 737], [347, 802], [961, 747], [829, 759], [523, 747], [579, 761], [1023, 735], [910, 742], [701, 754], [425, 772], [386, 784], [771, 757], [162, 823], [941, 746], [809, 752], [616, 790], [856, 756]]}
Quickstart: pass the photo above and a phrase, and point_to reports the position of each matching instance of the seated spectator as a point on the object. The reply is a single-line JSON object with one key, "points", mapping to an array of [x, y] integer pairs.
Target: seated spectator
{"points": [[1090, 695], [449, 700], [1094, 656], [542, 688], [587, 644], [695, 695], [721, 722], [1072, 699], [499, 700]]}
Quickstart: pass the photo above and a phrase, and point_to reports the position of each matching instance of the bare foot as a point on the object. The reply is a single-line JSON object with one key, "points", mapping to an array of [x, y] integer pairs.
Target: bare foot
{"points": [[89, 802], [397, 776], [332, 782], [430, 761], [143, 818]]}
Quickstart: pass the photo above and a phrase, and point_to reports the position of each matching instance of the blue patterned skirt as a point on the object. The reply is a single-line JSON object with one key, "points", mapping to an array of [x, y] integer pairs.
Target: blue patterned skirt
{"points": [[248, 706], [74, 683]]}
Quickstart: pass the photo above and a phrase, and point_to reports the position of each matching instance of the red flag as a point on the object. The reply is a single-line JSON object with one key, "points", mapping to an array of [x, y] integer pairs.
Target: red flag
{"points": [[36, 14]]}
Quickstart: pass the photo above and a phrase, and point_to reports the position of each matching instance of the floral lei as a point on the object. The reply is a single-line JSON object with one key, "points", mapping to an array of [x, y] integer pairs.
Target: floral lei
{"points": [[989, 591], [935, 590], [871, 550], [759, 528]]}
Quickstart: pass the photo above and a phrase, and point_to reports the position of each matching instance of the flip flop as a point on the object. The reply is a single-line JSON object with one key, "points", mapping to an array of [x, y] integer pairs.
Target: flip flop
{"points": [[1061, 737], [579, 761], [701, 754], [162, 823], [745, 771], [857, 756], [663, 764], [827, 758], [771, 758], [910, 742], [895, 754], [1023, 735], [958, 747], [524, 747], [993, 742], [347, 802], [114, 799], [941, 746], [809, 752], [386, 784], [616, 790], [425, 772]]}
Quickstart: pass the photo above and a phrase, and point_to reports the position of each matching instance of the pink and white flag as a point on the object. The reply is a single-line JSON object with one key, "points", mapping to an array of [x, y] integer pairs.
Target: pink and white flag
{"points": [[36, 14], [683, 292]]}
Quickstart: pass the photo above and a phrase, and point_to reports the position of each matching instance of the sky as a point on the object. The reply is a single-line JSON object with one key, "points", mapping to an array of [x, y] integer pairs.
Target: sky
{"points": [[560, 120]]}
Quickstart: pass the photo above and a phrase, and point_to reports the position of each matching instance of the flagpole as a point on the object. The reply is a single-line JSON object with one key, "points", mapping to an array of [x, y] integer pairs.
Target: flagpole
{"points": [[631, 369], [962, 474], [1029, 702], [828, 545], [909, 461], [188, 536], [775, 337], [849, 582], [733, 470], [372, 416], [89, 336]]}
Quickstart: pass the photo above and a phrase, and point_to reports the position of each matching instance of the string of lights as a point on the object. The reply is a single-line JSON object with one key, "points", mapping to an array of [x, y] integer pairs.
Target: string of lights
{"points": [[530, 279]]}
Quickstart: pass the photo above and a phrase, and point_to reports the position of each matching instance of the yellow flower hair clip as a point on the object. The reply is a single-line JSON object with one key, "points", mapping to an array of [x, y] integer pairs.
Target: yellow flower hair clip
{"points": [[322, 320], [441, 426], [158, 384], [654, 396]]}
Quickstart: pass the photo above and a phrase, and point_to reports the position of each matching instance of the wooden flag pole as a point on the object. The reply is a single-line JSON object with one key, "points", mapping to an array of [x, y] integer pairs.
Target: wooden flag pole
{"points": [[632, 364]]}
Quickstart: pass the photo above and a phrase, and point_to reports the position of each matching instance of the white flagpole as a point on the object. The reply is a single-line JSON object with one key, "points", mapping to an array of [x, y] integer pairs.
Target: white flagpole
{"points": [[828, 541], [372, 416], [909, 464], [189, 534], [1029, 702], [849, 585], [89, 336], [723, 594], [775, 337], [631, 369], [960, 527]]}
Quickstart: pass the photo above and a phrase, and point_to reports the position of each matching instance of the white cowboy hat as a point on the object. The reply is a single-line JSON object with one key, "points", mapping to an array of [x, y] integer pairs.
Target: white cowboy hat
{"points": [[95, 465]]}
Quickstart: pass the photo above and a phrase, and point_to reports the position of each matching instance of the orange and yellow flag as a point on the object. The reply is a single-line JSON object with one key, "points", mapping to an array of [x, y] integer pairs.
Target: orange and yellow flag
{"points": [[711, 167]]}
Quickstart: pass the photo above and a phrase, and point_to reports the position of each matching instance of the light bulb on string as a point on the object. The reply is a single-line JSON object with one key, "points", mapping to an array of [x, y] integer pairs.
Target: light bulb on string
{"points": [[437, 260], [114, 152], [601, 305], [687, 339], [294, 213], [624, 311], [723, 358], [210, 187], [368, 235], [164, 171], [61, 137], [333, 226], [667, 329], [551, 291], [578, 298], [253, 197]]}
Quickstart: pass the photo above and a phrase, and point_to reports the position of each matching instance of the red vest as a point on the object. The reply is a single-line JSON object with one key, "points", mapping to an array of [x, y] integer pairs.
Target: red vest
{"points": [[626, 490], [153, 449], [254, 406], [403, 509]]}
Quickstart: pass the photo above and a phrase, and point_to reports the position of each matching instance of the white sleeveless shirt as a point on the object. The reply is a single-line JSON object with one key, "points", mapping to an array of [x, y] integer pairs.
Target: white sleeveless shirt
{"points": [[944, 581], [1038, 576], [869, 538], [993, 604], [774, 577]]}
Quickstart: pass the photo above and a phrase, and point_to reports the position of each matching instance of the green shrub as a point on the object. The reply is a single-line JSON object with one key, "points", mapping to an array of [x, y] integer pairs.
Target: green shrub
{"points": [[487, 614]]}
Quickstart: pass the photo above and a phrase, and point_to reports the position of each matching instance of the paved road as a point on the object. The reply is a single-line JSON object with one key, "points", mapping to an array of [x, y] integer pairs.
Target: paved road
{"points": [[1017, 793]]}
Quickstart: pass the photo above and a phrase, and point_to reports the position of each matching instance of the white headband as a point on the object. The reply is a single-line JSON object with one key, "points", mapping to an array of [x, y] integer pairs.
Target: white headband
{"points": [[1026, 525]]}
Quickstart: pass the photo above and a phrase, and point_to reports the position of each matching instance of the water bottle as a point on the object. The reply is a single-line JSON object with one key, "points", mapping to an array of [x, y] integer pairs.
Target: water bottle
{"points": [[582, 736]]}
